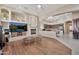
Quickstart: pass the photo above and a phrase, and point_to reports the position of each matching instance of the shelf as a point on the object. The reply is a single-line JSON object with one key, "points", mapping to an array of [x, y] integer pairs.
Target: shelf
{"points": [[4, 20], [33, 21], [4, 14], [17, 21], [15, 16]]}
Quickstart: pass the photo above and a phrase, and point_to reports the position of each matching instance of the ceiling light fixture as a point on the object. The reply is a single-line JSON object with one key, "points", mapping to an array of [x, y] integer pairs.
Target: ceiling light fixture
{"points": [[39, 6]]}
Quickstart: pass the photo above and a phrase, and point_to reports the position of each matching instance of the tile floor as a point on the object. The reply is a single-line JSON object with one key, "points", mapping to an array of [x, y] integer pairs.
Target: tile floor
{"points": [[65, 39], [70, 42]]}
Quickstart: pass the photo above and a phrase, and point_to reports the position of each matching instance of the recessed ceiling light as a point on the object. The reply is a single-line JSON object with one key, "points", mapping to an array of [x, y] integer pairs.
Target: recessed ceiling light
{"points": [[39, 6]]}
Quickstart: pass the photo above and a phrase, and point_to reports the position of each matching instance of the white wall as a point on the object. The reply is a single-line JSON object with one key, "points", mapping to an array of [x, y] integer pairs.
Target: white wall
{"points": [[75, 14]]}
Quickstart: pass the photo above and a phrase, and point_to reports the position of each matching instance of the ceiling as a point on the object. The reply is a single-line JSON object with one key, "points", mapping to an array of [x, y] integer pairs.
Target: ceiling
{"points": [[33, 9]]}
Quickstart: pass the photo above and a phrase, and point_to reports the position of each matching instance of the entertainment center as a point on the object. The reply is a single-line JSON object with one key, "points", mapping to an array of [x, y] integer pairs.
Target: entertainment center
{"points": [[17, 23]]}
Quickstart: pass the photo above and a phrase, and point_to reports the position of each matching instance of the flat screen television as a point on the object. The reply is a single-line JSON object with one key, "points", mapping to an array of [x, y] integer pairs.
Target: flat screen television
{"points": [[18, 28]]}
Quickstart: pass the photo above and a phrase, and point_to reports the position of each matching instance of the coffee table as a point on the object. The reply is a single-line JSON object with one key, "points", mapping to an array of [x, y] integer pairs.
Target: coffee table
{"points": [[28, 40]]}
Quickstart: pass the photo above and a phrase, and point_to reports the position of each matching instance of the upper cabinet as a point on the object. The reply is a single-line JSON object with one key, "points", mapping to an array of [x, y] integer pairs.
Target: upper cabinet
{"points": [[15, 16], [9, 15], [33, 21], [4, 14]]}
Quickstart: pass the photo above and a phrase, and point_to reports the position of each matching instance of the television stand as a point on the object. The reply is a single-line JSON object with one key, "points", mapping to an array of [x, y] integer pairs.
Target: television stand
{"points": [[19, 33]]}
